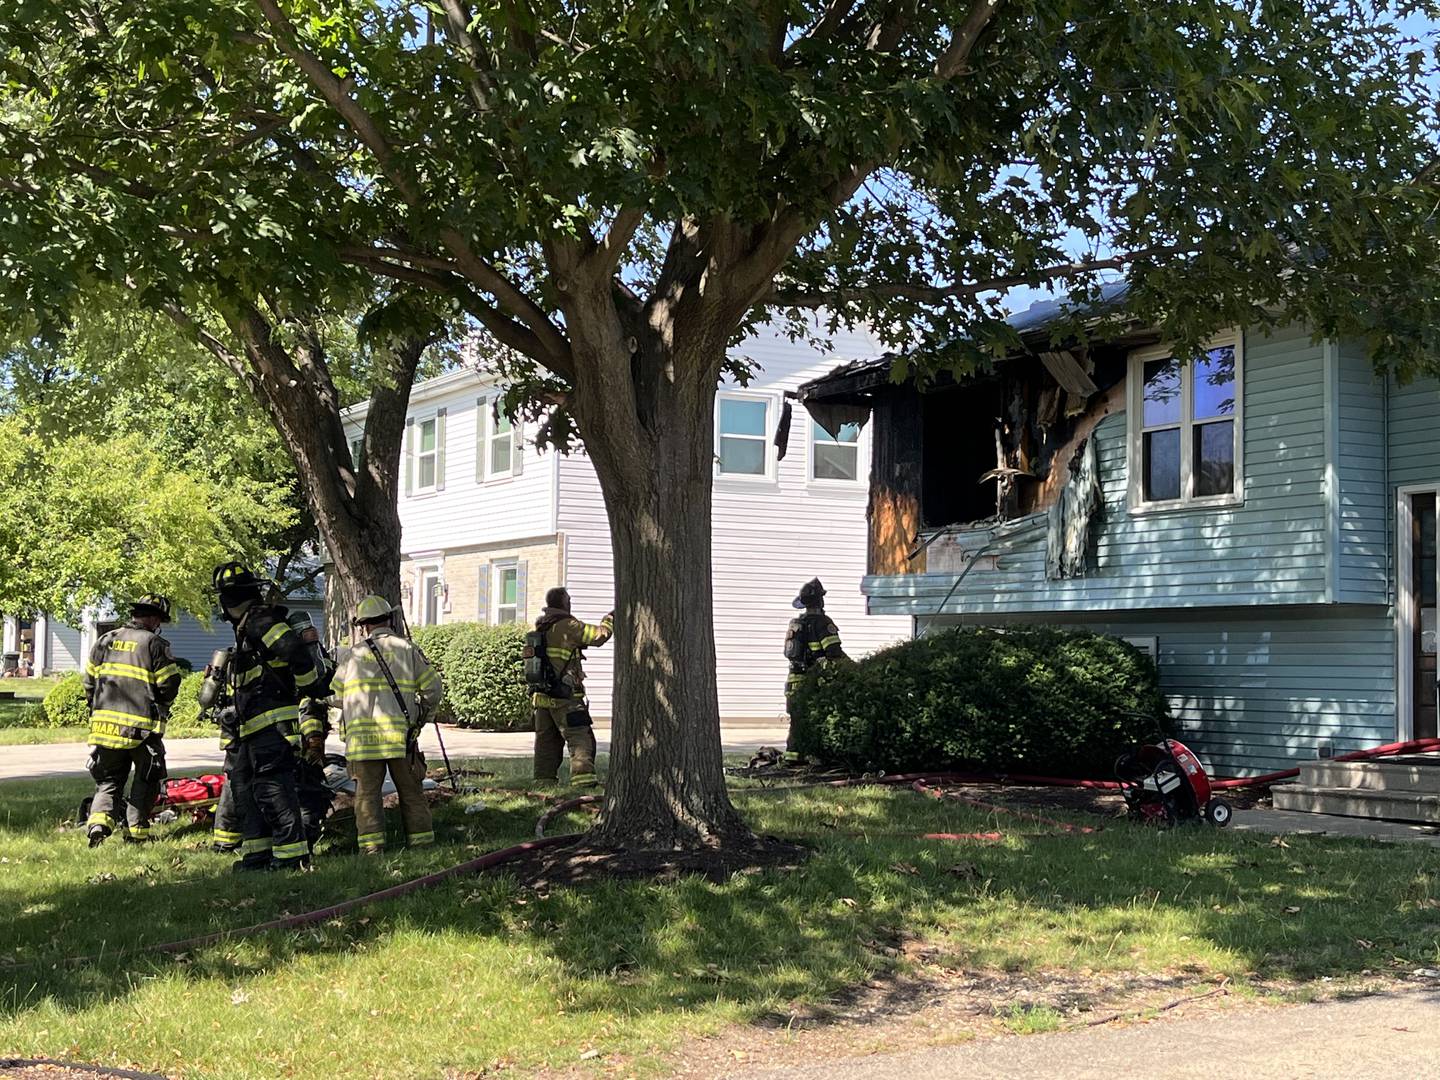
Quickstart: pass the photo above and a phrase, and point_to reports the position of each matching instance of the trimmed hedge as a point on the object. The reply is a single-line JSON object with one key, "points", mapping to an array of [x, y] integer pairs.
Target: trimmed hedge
{"points": [[65, 705], [1031, 699], [484, 681]]}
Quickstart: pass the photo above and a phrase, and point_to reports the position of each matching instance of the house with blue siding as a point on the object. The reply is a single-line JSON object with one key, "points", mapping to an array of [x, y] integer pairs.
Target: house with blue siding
{"points": [[1260, 517]]}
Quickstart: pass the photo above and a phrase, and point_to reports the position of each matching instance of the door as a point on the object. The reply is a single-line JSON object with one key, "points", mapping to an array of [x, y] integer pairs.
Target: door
{"points": [[430, 598], [1422, 616]]}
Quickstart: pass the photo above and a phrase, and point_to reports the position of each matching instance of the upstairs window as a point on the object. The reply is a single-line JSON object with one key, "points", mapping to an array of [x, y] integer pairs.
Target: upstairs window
{"points": [[426, 453], [742, 435], [499, 449], [835, 457], [1186, 437]]}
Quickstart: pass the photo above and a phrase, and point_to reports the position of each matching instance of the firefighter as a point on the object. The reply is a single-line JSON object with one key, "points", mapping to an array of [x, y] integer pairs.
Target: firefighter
{"points": [[812, 639], [385, 688], [562, 715], [269, 671], [130, 680]]}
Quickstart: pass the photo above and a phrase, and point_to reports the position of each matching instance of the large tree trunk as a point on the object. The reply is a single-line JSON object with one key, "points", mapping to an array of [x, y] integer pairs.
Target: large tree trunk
{"points": [[645, 407], [666, 787]]}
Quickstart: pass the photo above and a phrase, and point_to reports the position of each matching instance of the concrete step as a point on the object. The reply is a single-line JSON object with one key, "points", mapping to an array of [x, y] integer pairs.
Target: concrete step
{"points": [[1417, 773], [1386, 805]]}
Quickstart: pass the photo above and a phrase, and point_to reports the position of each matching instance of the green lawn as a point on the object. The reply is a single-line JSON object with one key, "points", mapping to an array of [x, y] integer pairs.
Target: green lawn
{"points": [[476, 971]]}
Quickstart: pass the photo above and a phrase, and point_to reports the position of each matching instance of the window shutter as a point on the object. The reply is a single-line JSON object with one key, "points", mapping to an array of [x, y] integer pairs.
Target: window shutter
{"points": [[522, 574], [481, 449], [439, 449], [517, 449], [483, 592], [409, 455]]}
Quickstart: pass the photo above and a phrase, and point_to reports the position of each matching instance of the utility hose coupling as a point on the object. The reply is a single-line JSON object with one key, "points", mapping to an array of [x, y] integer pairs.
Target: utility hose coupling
{"points": [[214, 685]]}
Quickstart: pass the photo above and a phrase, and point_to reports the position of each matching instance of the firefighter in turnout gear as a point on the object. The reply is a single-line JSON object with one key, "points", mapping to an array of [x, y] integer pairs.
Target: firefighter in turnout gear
{"points": [[562, 715], [812, 639], [130, 680], [385, 688], [268, 673]]}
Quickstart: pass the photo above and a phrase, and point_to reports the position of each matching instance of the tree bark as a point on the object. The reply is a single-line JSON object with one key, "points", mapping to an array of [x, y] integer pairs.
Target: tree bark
{"points": [[644, 405], [355, 504]]}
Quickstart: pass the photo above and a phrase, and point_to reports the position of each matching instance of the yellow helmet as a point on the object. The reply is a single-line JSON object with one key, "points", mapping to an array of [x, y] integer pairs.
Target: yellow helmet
{"points": [[373, 607]]}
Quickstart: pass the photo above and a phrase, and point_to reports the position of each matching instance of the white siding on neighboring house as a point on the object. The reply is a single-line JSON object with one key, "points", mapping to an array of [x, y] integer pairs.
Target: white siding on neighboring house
{"points": [[772, 533], [494, 493], [64, 652]]}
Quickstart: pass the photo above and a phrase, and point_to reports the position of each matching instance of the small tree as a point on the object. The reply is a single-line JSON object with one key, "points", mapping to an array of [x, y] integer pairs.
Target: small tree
{"points": [[617, 192]]}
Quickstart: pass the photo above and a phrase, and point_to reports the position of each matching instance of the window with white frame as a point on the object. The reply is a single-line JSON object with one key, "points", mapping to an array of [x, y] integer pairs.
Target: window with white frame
{"points": [[427, 453], [357, 451], [505, 588], [742, 439], [497, 442], [834, 457], [1186, 417]]}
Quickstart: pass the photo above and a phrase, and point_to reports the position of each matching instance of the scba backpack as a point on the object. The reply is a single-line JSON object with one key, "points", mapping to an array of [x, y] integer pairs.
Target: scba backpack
{"points": [[540, 674]]}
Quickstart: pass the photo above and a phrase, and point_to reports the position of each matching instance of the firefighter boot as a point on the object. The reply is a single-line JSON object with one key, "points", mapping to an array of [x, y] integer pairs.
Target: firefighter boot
{"points": [[97, 834]]}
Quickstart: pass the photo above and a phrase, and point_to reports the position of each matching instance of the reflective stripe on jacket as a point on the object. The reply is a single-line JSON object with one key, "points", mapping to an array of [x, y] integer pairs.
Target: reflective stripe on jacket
{"points": [[371, 721], [130, 680], [565, 637], [270, 670]]}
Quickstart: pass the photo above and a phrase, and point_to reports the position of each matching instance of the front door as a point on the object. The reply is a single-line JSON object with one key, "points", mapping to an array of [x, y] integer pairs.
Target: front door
{"points": [[1421, 618]]}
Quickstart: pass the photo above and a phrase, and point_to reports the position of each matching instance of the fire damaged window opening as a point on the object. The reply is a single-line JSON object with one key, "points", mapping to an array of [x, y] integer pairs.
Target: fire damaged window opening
{"points": [[1003, 446]]}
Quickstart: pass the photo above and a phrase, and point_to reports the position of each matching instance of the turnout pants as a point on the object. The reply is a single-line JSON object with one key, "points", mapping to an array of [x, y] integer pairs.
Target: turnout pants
{"points": [[229, 828], [370, 809], [110, 769], [560, 726], [263, 775]]}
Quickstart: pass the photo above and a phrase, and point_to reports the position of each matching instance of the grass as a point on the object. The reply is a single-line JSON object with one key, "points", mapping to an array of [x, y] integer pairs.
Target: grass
{"points": [[478, 972]]}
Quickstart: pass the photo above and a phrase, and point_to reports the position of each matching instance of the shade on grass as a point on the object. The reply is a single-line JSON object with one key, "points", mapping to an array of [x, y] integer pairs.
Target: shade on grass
{"points": [[478, 971]]}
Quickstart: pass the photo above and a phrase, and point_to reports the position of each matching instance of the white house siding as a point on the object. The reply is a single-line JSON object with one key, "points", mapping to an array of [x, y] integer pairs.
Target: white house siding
{"points": [[63, 652], [770, 536], [470, 520]]}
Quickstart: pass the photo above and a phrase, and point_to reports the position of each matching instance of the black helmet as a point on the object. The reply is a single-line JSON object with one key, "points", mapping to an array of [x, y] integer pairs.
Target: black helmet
{"points": [[152, 604], [558, 598], [235, 584], [812, 593]]}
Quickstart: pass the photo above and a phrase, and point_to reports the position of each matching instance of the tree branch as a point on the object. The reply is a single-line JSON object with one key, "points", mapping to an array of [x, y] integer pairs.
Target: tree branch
{"points": [[367, 129], [611, 250], [828, 23], [962, 44], [934, 294], [444, 280], [481, 81]]}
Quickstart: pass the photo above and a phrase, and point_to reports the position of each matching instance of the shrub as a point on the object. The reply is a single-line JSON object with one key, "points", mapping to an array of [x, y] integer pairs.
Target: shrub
{"points": [[435, 640], [484, 680], [65, 705], [1033, 699], [185, 722]]}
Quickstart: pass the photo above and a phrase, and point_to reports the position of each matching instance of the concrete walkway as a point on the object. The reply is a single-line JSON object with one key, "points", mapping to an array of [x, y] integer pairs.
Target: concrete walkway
{"points": [[1292, 822], [194, 755], [1386, 1037]]}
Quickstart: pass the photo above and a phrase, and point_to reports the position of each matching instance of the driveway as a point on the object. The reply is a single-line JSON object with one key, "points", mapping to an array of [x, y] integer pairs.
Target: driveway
{"points": [[196, 755], [1385, 1037]]}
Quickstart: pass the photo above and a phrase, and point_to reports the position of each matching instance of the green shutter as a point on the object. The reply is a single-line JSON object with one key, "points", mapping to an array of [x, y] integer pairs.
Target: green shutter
{"points": [[409, 455], [480, 448], [439, 449]]}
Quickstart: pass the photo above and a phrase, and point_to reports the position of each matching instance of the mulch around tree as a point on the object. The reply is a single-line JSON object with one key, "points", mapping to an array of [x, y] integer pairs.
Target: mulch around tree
{"points": [[580, 863], [33, 1069]]}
